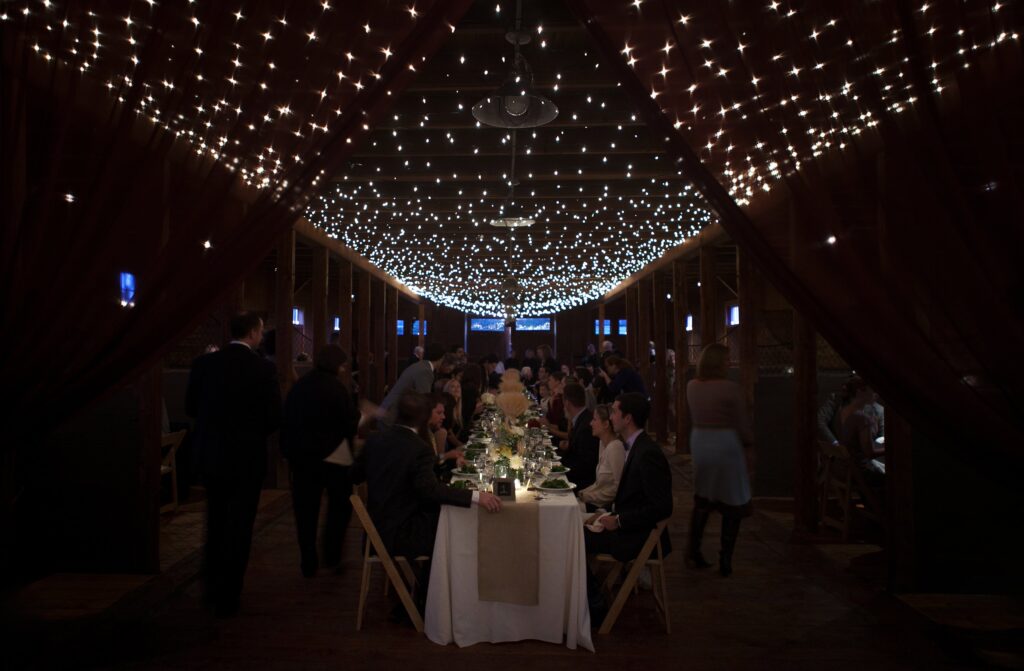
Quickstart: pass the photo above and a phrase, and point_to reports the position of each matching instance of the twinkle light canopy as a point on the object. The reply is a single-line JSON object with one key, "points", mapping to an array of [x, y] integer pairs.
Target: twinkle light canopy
{"points": [[606, 197]]}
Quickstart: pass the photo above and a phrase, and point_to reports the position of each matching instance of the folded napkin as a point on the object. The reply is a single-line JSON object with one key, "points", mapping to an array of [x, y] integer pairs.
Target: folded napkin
{"points": [[508, 554]]}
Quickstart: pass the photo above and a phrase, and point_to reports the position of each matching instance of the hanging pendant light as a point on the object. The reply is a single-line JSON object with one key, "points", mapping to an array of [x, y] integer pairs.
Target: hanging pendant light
{"points": [[514, 104]]}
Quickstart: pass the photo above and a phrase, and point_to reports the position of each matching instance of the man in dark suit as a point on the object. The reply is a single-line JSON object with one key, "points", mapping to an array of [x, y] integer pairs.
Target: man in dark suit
{"points": [[236, 402], [644, 497], [582, 448], [403, 493], [418, 377]]}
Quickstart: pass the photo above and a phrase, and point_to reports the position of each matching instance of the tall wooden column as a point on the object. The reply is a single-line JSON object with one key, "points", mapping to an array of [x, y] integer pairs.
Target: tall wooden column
{"points": [[343, 305], [643, 331], [361, 331], [660, 373], [709, 317], [600, 324], [320, 290], [284, 295], [630, 345], [391, 334], [421, 316], [805, 399], [680, 308], [379, 336], [750, 301]]}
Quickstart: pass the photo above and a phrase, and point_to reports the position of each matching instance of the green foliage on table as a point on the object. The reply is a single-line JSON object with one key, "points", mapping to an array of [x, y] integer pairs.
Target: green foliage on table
{"points": [[463, 484], [558, 468], [467, 469], [555, 484]]}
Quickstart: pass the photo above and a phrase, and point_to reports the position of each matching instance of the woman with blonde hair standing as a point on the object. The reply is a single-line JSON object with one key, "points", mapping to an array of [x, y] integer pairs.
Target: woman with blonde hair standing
{"points": [[721, 443]]}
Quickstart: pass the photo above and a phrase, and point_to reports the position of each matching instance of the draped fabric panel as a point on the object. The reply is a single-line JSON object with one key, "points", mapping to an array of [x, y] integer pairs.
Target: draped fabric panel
{"points": [[868, 156], [176, 142]]}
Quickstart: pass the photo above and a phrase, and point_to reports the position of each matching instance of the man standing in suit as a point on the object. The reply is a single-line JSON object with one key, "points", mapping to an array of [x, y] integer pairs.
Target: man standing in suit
{"points": [[582, 448], [234, 397], [403, 493], [418, 377], [644, 497]]}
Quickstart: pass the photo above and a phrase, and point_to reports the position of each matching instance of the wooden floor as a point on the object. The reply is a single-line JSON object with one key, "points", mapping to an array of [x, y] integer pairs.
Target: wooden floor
{"points": [[786, 607]]}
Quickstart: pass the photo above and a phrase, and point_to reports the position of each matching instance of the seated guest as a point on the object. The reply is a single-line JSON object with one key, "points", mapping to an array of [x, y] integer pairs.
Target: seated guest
{"points": [[457, 430], [622, 378], [556, 422], [544, 397], [599, 385], [492, 377], [611, 457], [403, 494], [547, 359], [856, 434], [530, 360], [472, 387], [590, 359], [585, 377], [581, 450], [643, 499], [319, 416], [512, 361], [434, 432]]}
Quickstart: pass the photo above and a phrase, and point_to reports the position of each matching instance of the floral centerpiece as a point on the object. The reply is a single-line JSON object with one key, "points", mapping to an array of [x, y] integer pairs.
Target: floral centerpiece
{"points": [[487, 398]]}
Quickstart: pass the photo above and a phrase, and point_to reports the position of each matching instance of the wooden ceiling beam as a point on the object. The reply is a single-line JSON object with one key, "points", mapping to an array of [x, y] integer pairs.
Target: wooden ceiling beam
{"points": [[429, 178]]}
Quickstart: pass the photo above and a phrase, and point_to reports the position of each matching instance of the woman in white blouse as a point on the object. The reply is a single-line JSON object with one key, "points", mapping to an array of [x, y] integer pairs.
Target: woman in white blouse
{"points": [[611, 457]]}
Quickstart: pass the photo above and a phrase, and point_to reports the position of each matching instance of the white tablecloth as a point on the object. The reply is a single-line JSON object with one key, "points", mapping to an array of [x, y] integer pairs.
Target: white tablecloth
{"points": [[454, 613]]}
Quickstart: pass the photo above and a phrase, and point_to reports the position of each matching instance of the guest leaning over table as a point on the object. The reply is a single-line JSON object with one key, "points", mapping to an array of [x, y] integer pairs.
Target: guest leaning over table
{"points": [[722, 446], [611, 458], [403, 494], [643, 499]]}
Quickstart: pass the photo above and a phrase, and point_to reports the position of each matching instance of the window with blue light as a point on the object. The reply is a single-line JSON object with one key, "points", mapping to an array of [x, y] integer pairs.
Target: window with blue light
{"points": [[416, 327], [622, 327], [127, 290], [487, 324], [607, 327], [400, 327], [533, 324], [689, 323], [298, 317], [733, 315], [337, 324]]}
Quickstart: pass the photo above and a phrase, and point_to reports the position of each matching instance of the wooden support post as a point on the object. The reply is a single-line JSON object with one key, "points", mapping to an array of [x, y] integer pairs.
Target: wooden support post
{"points": [[379, 337], [660, 373], [631, 298], [680, 308], [709, 317], [150, 387], [320, 315], [421, 316], [805, 396], [643, 331], [284, 297], [391, 331], [601, 337], [344, 307], [750, 301], [361, 331], [805, 405]]}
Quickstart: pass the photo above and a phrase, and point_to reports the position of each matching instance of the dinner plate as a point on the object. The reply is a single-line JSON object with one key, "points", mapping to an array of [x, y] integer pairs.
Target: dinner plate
{"points": [[466, 475], [555, 490], [561, 472]]}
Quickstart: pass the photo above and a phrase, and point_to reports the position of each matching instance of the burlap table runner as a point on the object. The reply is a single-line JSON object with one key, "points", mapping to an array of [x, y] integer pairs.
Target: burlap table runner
{"points": [[508, 554]]}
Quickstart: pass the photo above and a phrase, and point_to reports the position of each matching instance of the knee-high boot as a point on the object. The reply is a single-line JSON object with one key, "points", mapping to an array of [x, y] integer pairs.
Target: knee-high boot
{"points": [[730, 530], [698, 520]]}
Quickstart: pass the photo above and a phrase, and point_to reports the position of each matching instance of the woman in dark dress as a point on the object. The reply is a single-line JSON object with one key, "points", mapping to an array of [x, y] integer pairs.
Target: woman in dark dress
{"points": [[320, 421]]}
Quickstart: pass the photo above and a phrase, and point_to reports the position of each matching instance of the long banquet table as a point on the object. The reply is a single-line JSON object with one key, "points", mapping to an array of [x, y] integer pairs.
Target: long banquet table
{"points": [[454, 611]]}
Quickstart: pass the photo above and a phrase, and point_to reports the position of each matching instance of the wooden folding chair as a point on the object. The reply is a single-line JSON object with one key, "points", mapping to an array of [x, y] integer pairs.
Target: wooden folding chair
{"points": [[644, 558], [391, 566], [170, 442]]}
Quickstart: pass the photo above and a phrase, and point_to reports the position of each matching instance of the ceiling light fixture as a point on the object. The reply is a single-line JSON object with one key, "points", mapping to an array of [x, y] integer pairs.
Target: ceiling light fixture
{"points": [[514, 104]]}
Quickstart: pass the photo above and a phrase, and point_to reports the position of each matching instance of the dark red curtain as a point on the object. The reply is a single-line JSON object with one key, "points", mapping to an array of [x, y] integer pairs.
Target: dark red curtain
{"points": [[175, 142], [868, 156]]}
